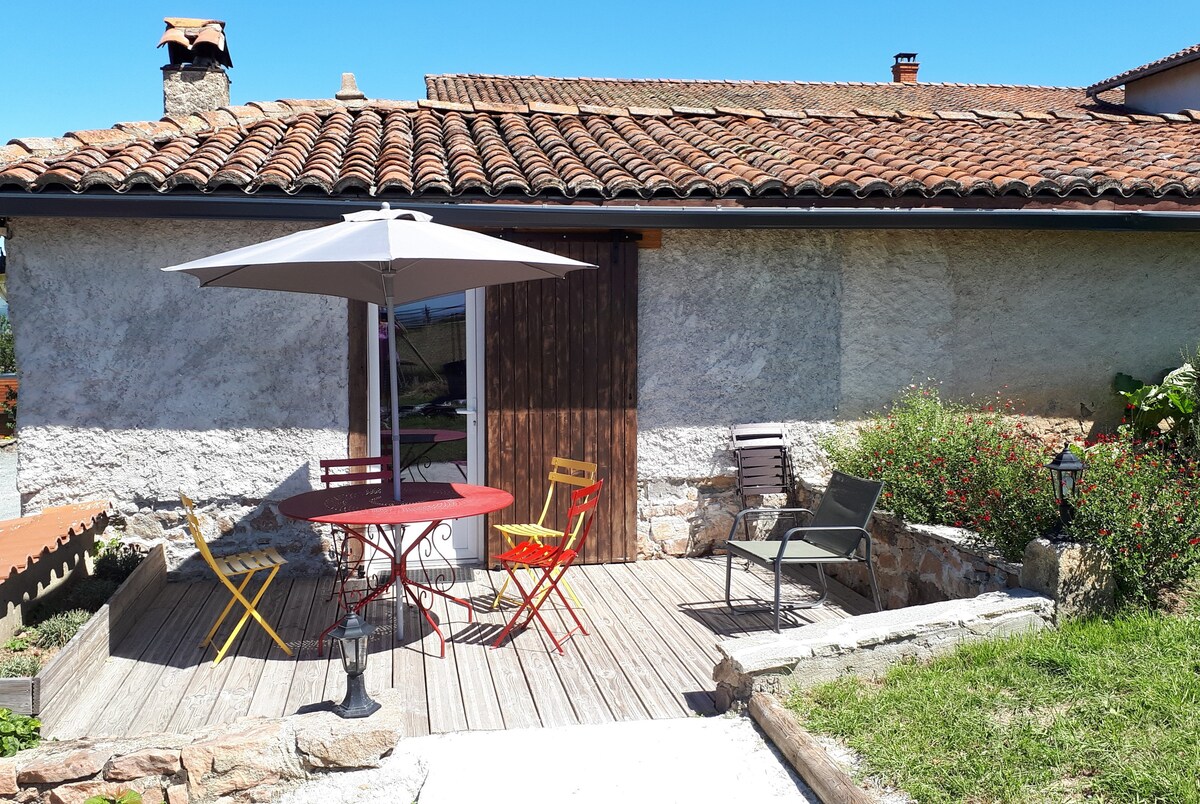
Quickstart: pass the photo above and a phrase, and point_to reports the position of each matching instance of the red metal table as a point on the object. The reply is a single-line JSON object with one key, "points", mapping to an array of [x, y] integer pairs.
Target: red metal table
{"points": [[369, 509], [416, 443]]}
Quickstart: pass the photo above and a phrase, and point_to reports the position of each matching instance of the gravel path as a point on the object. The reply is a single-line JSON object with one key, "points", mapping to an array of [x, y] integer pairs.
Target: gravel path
{"points": [[719, 760]]}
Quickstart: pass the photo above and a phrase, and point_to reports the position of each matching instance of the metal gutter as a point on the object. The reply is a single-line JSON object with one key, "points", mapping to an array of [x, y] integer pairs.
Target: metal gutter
{"points": [[584, 215]]}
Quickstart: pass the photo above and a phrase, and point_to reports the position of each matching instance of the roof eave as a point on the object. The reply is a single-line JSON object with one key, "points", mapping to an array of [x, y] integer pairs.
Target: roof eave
{"points": [[606, 216]]}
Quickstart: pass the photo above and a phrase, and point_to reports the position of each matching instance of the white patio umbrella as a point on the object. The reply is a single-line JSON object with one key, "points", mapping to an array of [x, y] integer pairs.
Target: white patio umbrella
{"points": [[387, 257]]}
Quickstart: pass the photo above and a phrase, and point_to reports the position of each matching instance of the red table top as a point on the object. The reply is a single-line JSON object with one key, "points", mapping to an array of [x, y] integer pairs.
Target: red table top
{"points": [[423, 436], [372, 504]]}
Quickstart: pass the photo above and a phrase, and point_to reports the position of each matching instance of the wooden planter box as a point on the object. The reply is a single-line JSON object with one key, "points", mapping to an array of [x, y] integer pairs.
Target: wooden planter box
{"points": [[50, 693]]}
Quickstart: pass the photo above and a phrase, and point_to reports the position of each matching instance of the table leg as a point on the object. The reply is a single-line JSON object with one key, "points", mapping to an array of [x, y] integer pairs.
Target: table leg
{"points": [[432, 580]]}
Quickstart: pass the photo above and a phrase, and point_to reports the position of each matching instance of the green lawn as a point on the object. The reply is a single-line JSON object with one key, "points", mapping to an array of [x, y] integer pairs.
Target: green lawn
{"points": [[1104, 711]]}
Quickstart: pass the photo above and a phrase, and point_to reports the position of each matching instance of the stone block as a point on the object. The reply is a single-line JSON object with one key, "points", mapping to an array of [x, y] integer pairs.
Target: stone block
{"points": [[8, 776], [178, 794], [325, 740], [148, 762], [1076, 576], [238, 759], [55, 767], [79, 792]]}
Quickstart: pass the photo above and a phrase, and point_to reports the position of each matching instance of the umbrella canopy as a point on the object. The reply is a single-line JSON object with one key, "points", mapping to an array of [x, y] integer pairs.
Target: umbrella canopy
{"points": [[387, 257]]}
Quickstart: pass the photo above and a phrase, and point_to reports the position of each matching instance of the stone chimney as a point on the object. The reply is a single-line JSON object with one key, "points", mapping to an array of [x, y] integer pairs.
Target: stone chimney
{"points": [[904, 71], [195, 79]]}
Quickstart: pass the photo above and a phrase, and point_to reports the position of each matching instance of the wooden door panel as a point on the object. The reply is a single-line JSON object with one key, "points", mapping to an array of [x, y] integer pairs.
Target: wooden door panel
{"points": [[561, 367]]}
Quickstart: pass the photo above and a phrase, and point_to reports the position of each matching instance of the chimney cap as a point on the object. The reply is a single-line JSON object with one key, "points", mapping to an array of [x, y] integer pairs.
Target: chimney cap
{"points": [[198, 42], [899, 57]]}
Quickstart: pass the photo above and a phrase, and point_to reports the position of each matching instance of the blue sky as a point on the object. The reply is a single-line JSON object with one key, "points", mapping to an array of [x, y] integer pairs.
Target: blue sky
{"points": [[69, 65]]}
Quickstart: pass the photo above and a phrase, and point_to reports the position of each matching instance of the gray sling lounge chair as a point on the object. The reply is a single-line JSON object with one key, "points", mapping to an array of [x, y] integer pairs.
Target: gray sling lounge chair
{"points": [[833, 535]]}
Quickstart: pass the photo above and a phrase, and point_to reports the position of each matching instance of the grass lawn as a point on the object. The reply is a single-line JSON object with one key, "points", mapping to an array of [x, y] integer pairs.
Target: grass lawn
{"points": [[1105, 711]]}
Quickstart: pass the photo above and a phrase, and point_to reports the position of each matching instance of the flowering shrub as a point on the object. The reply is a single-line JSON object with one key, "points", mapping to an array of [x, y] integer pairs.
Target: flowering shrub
{"points": [[1139, 502], [950, 464]]}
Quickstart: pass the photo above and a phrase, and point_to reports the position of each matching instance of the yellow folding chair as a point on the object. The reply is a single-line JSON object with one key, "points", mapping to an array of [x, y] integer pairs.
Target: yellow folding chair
{"points": [[231, 566], [567, 472]]}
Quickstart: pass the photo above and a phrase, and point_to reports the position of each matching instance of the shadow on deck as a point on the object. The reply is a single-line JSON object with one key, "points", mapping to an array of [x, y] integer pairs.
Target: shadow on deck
{"points": [[649, 654]]}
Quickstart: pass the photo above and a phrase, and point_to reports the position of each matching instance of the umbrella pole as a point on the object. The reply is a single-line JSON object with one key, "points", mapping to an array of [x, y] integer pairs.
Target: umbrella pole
{"points": [[394, 396]]}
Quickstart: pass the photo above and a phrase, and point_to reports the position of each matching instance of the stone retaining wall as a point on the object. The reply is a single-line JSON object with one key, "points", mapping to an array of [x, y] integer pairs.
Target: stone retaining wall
{"points": [[868, 644], [918, 564], [254, 759]]}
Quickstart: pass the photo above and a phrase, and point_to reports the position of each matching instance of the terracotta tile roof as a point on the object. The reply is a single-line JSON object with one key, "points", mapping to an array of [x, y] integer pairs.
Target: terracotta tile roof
{"points": [[29, 539], [439, 149], [830, 96], [1175, 59]]}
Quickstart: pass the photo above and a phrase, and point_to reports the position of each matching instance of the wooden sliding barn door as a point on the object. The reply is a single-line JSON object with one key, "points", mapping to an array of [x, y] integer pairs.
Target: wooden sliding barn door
{"points": [[561, 367]]}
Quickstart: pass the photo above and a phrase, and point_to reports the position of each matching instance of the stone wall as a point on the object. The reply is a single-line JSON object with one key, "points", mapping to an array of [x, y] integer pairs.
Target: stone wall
{"points": [[254, 759], [137, 384], [812, 327]]}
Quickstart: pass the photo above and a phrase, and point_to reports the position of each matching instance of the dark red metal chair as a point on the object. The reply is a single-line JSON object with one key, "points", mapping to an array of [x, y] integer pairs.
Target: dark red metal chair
{"points": [[549, 563], [353, 585]]}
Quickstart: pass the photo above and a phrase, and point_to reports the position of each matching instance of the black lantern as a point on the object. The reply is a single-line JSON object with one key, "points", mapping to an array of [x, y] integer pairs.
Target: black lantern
{"points": [[352, 634], [1066, 472]]}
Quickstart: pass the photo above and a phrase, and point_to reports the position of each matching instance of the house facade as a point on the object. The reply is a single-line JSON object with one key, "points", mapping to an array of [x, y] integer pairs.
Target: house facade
{"points": [[779, 251]]}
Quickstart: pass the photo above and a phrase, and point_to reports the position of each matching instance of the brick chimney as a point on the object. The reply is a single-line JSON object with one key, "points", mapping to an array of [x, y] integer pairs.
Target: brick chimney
{"points": [[195, 79], [904, 71]]}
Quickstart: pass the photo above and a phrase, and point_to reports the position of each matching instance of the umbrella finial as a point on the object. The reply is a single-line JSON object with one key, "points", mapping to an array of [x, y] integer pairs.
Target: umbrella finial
{"points": [[385, 206]]}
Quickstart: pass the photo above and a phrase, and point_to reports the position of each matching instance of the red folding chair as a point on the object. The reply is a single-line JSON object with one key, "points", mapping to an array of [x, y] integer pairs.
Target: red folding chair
{"points": [[353, 586], [549, 563]]}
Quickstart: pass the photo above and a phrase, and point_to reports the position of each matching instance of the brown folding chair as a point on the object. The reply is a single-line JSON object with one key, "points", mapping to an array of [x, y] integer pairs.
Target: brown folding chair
{"points": [[551, 561], [233, 566]]}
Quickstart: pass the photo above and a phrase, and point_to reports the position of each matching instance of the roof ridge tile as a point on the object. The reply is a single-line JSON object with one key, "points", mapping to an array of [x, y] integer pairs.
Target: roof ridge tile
{"points": [[445, 106]]}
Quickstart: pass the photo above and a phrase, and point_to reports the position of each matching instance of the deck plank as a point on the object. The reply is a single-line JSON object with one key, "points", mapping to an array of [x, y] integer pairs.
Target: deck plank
{"points": [[247, 664], [513, 696], [176, 672], [270, 695], [408, 675], [658, 637], [649, 654], [447, 711], [103, 710], [660, 701]]}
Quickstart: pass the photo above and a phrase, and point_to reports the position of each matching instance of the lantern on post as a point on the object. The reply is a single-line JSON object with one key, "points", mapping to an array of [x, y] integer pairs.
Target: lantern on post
{"points": [[1066, 472], [351, 635]]}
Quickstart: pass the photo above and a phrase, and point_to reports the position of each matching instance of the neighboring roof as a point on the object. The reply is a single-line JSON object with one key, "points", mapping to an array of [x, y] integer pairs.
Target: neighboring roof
{"points": [[791, 95], [1174, 60], [29, 539], [439, 150]]}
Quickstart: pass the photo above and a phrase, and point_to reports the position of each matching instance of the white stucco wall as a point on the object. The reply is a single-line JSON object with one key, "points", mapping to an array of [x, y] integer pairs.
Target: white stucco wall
{"points": [[1167, 92], [808, 327], [137, 384]]}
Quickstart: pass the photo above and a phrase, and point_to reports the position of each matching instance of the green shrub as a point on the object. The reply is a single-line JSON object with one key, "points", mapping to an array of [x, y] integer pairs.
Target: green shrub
{"points": [[1138, 501], [58, 630], [115, 561], [90, 593], [951, 464], [1171, 406], [18, 644], [18, 732], [8, 360], [20, 667]]}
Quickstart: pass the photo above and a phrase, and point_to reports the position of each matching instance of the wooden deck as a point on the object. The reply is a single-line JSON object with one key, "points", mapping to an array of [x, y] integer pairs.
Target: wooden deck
{"points": [[649, 654]]}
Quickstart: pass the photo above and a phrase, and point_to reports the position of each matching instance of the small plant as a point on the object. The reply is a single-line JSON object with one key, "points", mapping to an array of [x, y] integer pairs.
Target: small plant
{"points": [[20, 666], [18, 644], [1171, 406], [58, 630], [128, 797], [8, 360], [18, 732]]}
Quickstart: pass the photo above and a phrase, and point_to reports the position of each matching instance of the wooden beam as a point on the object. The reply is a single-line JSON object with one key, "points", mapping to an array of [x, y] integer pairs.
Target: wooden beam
{"points": [[356, 385], [810, 760]]}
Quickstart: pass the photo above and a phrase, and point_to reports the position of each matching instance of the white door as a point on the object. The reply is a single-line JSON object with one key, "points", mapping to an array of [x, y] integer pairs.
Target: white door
{"points": [[439, 353]]}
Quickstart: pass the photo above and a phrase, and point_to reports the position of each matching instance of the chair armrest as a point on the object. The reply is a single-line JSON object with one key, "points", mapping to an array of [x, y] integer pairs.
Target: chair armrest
{"points": [[755, 513], [865, 534]]}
